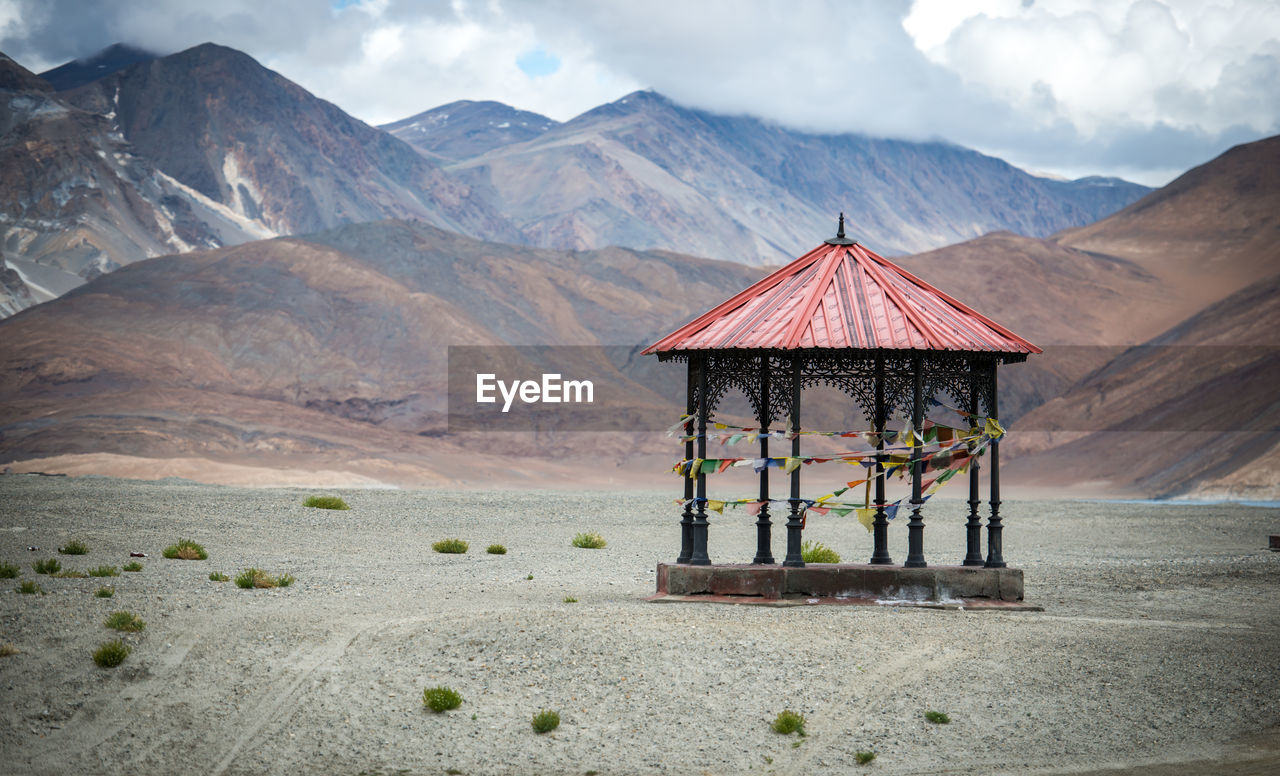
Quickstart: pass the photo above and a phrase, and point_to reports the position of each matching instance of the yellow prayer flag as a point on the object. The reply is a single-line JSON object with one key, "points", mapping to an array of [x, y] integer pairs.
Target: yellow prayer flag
{"points": [[715, 506], [867, 517]]}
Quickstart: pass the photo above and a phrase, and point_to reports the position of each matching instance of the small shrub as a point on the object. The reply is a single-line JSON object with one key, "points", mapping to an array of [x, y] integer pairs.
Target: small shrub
{"points": [[29, 588], [125, 621], [111, 653], [817, 552], [132, 565], [451, 546], [71, 574], [441, 699], [105, 592], [496, 549], [529, 577], [545, 721], [185, 549], [325, 502], [104, 571], [570, 599], [50, 566], [864, 757], [218, 576], [8, 650], [9, 571], [937, 717], [589, 541], [789, 722], [76, 547], [251, 578]]}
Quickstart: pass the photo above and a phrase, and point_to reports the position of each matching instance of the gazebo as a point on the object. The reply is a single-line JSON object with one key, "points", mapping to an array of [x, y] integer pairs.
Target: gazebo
{"points": [[841, 316]]}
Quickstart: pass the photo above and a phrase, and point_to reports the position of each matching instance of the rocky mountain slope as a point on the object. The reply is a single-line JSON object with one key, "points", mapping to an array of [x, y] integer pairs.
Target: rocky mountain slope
{"points": [[244, 136], [644, 171], [463, 129], [327, 349], [79, 72], [78, 201], [1192, 411], [1211, 232]]}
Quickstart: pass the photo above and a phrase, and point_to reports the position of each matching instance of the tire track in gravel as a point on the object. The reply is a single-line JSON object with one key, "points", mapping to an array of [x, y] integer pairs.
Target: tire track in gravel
{"points": [[888, 677], [93, 724], [302, 663]]}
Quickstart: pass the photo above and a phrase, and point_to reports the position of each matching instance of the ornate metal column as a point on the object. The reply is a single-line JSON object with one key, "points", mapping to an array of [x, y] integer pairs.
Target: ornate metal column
{"points": [[880, 528], [915, 528], [764, 550], [699, 529], [794, 558], [995, 556], [973, 528], [686, 519]]}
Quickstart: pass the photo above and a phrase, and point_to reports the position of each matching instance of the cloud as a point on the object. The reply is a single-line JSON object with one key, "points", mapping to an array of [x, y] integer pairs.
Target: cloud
{"points": [[1139, 87]]}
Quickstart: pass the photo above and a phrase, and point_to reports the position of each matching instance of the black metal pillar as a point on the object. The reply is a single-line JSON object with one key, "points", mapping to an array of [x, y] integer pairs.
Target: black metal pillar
{"points": [[686, 519], [764, 550], [794, 523], [973, 528], [880, 527], [915, 528], [699, 529], [995, 529]]}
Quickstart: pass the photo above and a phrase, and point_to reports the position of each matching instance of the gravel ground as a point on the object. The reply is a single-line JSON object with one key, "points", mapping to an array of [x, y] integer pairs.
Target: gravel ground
{"points": [[1159, 643]]}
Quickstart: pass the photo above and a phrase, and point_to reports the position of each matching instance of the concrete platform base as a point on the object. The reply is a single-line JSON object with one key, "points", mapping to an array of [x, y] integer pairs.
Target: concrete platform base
{"points": [[843, 583]]}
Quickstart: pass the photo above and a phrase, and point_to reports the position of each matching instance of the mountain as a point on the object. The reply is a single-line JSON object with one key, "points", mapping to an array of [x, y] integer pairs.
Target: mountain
{"points": [[1193, 411], [253, 141], [463, 129], [79, 72], [325, 351], [1212, 231], [644, 171], [77, 200]]}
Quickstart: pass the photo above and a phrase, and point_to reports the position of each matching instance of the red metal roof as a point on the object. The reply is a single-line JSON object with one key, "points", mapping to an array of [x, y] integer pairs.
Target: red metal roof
{"points": [[843, 296]]}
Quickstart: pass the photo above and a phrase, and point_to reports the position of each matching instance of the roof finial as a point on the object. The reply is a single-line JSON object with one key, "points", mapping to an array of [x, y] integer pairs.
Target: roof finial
{"points": [[840, 239]]}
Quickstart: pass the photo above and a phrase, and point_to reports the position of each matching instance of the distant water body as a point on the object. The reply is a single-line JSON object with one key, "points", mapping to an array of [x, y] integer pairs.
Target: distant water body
{"points": [[1175, 502]]}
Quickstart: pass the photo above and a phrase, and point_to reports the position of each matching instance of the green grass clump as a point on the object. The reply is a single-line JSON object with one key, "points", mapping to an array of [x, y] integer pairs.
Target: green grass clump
{"points": [[8, 650], [125, 621], [451, 546], [937, 717], [570, 599], [29, 588], [218, 576], [441, 699], [817, 552], [325, 502], [9, 571], [251, 578], [789, 722], [545, 721], [111, 653], [864, 757], [71, 574], [76, 547], [132, 565], [104, 571], [105, 592], [589, 541], [50, 566], [496, 549], [185, 549]]}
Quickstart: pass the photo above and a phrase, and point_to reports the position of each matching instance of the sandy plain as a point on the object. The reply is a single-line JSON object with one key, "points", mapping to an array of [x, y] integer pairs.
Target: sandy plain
{"points": [[1158, 650]]}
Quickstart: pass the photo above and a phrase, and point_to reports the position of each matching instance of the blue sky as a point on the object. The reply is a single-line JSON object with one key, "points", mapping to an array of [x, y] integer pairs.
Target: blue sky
{"points": [[1141, 89]]}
